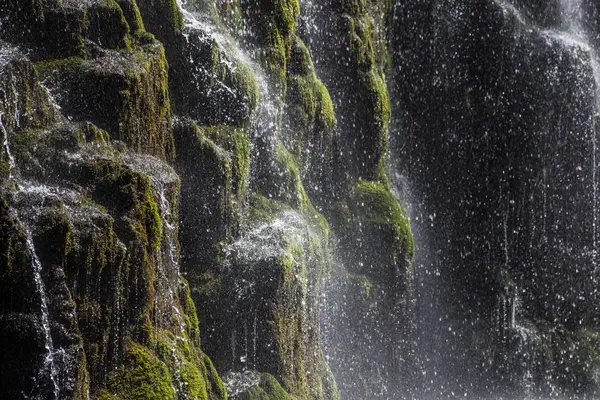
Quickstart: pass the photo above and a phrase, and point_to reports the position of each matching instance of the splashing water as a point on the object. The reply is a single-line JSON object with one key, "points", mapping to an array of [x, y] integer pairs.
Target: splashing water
{"points": [[238, 382]]}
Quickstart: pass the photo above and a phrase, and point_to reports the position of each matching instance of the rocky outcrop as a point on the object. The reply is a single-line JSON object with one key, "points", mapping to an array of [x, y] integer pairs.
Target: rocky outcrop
{"points": [[169, 177]]}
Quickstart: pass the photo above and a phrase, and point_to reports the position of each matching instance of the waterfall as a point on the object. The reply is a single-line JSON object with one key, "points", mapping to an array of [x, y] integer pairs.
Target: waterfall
{"points": [[49, 362]]}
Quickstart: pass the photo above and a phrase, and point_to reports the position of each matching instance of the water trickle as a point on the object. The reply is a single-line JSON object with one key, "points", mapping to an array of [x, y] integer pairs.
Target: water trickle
{"points": [[49, 362], [17, 112], [11, 159]]}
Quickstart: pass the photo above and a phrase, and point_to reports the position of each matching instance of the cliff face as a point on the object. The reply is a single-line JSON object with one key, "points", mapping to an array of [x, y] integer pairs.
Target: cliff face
{"points": [[199, 199], [177, 183]]}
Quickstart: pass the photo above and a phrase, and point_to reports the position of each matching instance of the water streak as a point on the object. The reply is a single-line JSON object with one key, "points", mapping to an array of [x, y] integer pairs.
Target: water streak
{"points": [[11, 159], [41, 289]]}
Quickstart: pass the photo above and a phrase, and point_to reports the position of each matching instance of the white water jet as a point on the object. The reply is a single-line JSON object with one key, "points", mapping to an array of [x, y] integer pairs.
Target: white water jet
{"points": [[11, 159], [41, 289]]}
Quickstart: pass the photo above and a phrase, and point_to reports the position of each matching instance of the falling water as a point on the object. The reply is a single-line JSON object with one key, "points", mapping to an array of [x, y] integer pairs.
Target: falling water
{"points": [[37, 275], [572, 19], [11, 159], [264, 124]]}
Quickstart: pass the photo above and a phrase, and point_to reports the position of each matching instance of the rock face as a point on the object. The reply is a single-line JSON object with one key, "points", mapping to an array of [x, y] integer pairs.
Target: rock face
{"points": [[199, 199], [176, 182]]}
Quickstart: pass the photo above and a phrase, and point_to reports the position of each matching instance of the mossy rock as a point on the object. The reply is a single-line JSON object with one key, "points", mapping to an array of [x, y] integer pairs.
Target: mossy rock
{"points": [[267, 389], [308, 125], [209, 84], [163, 18], [59, 29], [24, 104], [193, 373], [374, 234], [272, 24], [222, 173], [273, 276], [142, 377], [375, 247], [125, 93], [132, 15], [353, 68]]}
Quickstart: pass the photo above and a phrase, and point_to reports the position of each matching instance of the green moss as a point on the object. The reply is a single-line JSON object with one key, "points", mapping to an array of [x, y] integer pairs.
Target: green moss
{"points": [[374, 232], [215, 387], [237, 143], [134, 192], [273, 23], [163, 18], [378, 102], [132, 15], [182, 362], [243, 80], [125, 93], [142, 377], [107, 26], [308, 124], [268, 389], [46, 67], [189, 312], [300, 61], [325, 114]]}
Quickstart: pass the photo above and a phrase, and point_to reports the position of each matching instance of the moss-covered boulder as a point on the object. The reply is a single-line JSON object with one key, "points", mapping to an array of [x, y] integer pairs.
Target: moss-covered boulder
{"points": [[163, 18], [374, 233], [271, 280], [104, 225], [272, 24], [125, 93]]}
